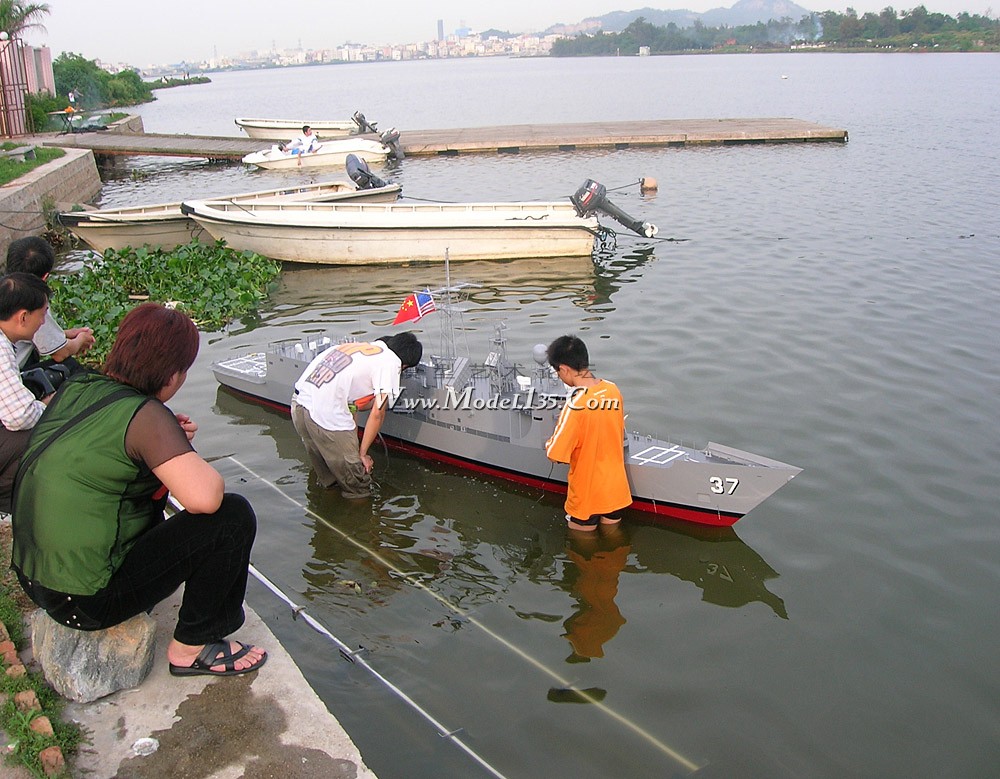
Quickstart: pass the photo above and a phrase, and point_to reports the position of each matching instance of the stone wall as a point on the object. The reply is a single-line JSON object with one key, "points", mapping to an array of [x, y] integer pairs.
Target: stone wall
{"points": [[61, 183]]}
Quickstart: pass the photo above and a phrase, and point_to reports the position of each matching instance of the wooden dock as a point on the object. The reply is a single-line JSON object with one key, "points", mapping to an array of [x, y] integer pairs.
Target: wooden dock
{"points": [[487, 140]]}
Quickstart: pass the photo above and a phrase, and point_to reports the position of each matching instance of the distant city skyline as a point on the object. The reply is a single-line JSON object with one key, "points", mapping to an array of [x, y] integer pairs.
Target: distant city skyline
{"points": [[133, 32]]}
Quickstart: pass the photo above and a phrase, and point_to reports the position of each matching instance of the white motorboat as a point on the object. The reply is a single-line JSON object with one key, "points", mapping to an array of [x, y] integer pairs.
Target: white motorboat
{"points": [[354, 234], [361, 234], [328, 153], [163, 226], [287, 129]]}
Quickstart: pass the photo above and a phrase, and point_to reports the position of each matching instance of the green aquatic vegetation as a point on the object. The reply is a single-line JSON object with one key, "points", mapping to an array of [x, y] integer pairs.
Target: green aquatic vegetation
{"points": [[212, 283]]}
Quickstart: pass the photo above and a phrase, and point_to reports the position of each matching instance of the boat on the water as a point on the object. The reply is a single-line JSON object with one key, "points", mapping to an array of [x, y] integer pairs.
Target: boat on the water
{"points": [[287, 129], [355, 234], [333, 152], [164, 226], [360, 233], [493, 417]]}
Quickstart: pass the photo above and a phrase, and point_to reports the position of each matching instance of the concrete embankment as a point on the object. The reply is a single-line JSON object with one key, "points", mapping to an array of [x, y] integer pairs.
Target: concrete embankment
{"points": [[267, 723], [24, 202]]}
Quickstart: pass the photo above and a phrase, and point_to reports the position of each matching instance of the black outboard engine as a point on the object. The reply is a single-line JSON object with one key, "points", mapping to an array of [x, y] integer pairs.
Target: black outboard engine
{"points": [[363, 125], [593, 197], [391, 139], [358, 170]]}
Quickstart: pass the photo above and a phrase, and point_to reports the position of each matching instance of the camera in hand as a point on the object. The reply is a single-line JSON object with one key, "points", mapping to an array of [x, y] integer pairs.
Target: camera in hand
{"points": [[43, 380]]}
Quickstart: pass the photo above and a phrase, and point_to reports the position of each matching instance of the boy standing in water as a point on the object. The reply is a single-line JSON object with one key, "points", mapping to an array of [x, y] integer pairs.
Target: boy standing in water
{"points": [[590, 437]]}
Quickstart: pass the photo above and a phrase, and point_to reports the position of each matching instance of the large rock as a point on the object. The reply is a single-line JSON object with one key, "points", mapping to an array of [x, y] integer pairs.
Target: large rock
{"points": [[86, 665]]}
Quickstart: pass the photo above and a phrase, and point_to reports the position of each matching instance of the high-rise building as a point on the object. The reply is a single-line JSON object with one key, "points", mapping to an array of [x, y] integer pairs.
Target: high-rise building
{"points": [[440, 29]]}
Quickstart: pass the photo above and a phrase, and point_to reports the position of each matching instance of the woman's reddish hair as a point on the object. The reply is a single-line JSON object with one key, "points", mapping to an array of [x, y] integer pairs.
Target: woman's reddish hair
{"points": [[153, 343]]}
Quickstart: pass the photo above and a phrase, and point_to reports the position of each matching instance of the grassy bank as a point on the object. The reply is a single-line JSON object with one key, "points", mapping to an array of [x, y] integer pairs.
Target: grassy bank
{"points": [[24, 744], [11, 169]]}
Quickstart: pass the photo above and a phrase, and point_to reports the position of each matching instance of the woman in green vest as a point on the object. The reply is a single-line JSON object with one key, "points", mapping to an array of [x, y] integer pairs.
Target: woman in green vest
{"points": [[91, 544]]}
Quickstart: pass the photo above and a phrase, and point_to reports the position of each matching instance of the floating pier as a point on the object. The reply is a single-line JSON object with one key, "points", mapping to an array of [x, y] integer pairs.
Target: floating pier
{"points": [[509, 139]]}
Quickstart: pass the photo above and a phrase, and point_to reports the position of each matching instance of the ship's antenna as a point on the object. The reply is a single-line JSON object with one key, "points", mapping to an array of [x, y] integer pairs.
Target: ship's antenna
{"points": [[448, 347], [448, 335]]}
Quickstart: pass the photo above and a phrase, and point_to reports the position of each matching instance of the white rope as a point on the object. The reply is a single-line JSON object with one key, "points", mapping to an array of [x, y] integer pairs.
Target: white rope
{"points": [[354, 656]]}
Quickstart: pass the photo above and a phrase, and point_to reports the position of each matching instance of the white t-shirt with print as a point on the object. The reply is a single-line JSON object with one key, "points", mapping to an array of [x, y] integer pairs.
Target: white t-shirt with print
{"points": [[344, 374]]}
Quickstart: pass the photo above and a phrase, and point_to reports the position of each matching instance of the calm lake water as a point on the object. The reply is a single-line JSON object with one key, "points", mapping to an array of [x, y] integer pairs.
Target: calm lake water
{"points": [[833, 306]]}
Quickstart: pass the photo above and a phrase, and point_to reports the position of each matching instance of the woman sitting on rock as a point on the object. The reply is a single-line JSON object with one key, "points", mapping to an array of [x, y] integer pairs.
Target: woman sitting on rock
{"points": [[91, 544]]}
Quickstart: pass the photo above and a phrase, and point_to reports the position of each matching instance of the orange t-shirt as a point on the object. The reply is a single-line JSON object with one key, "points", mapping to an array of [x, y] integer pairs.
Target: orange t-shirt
{"points": [[590, 437]]}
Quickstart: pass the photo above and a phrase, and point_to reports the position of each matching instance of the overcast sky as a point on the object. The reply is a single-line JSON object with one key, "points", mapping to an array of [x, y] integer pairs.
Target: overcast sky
{"points": [[139, 32]]}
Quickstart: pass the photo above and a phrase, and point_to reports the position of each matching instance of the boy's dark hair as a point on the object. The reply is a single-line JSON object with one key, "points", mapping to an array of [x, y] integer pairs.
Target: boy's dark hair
{"points": [[30, 254], [406, 347], [568, 350], [21, 292]]}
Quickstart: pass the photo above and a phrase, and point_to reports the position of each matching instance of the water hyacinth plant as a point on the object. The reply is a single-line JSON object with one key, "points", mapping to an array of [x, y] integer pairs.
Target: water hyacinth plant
{"points": [[212, 283]]}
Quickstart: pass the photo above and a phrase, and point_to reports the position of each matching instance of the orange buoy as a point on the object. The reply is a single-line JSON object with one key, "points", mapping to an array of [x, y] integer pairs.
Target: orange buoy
{"points": [[647, 184]]}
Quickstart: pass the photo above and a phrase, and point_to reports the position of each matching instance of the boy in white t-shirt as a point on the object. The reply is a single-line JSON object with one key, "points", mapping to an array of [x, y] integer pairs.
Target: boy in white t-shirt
{"points": [[339, 382]]}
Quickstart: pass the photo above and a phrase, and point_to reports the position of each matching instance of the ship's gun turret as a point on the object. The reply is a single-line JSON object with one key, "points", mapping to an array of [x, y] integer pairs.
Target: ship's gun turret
{"points": [[593, 197]]}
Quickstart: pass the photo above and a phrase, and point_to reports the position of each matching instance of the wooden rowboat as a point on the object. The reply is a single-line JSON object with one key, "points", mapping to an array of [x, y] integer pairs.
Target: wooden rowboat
{"points": [[163, 226]]}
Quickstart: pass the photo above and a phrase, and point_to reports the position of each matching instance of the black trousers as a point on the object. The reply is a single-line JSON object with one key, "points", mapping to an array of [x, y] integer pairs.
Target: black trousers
{"points": [[12, 446], [208, 553]]}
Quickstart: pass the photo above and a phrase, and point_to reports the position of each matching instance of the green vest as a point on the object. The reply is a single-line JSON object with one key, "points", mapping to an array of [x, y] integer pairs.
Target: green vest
{"points": [[80, 505]]}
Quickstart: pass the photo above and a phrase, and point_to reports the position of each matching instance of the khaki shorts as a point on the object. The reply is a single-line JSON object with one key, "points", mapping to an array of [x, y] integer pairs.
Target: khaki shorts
{"points": [[335, 455]]}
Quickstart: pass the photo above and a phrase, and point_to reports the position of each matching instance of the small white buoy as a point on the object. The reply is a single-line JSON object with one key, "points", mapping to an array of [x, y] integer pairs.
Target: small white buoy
{"points": [[783, 76], [145, 746], [647, 184]]}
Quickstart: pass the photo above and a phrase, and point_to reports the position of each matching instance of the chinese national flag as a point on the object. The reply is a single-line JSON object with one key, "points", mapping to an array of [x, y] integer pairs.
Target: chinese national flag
{"points": [[414, 307]]}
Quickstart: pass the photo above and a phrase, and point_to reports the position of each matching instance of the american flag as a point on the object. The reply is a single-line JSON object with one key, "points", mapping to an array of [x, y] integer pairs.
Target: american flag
{"points": [[415, 306]]}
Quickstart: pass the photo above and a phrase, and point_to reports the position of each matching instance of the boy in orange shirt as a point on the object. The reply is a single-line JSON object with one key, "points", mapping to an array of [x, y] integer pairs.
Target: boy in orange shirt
{"points": [[590, 437]]}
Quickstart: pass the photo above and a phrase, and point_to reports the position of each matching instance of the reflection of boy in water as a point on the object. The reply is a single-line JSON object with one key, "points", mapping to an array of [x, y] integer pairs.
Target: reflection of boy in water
{"points": [[599, 558]]}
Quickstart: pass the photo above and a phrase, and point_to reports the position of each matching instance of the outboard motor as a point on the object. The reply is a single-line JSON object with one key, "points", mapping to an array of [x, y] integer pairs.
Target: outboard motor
{"points": [[358, 170], [363, 124], [391, 139], [593, 197]]}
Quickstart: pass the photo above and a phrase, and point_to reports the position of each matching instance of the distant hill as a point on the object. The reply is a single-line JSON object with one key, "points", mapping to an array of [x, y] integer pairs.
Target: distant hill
{"points": [[743, 12]]}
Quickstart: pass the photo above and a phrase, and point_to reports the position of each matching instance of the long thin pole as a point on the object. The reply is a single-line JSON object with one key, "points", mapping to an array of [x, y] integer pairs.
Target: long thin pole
{"points": [[354, 656]]}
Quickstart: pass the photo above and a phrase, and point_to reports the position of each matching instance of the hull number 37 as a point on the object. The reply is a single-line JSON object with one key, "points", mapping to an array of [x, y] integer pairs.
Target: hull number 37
{"points": [[722, 486]]}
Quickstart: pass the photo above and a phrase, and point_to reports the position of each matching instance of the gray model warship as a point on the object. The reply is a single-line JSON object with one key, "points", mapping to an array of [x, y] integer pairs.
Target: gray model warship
{"points": [[493, 417]]}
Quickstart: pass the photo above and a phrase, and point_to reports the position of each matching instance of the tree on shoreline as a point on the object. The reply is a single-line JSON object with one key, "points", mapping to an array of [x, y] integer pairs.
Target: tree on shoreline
{"points": [[831, 29], [17, 16]]}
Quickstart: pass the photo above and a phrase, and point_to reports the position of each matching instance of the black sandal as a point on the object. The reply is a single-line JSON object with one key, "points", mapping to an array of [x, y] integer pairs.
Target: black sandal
{"points": [[209, 657]]}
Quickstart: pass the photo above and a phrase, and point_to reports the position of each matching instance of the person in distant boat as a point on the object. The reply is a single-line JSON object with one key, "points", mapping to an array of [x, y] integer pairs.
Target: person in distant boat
{"points": [[34, 255], [305, 143], [589, 435], [338, 383], [91, 544], [24, 302]]}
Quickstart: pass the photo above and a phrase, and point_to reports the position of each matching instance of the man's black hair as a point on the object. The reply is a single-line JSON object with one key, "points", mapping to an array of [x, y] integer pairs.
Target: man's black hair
{"points": [[568, 350], [30, 255], [406, 347], [21, 292]]}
